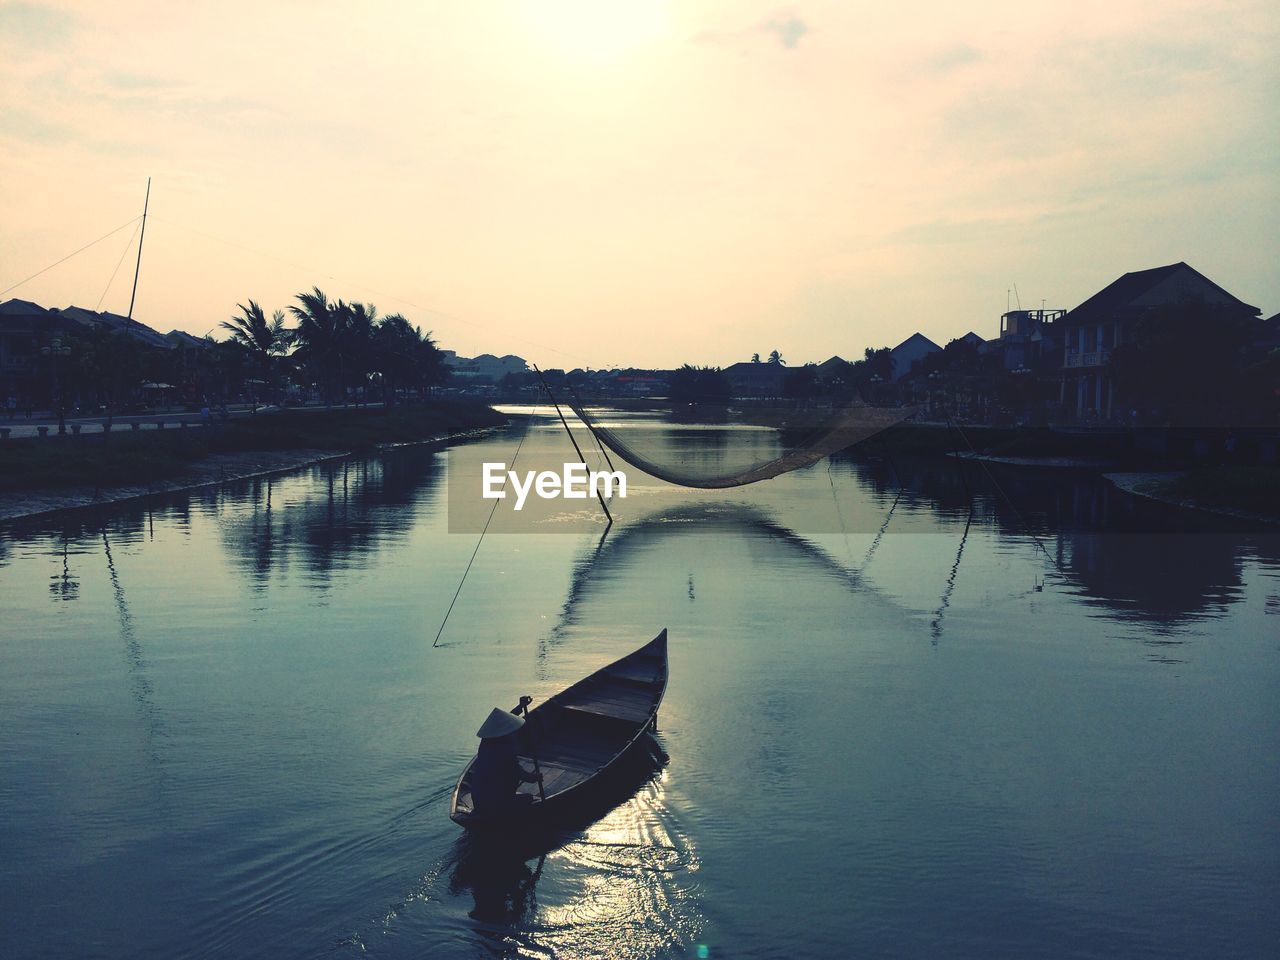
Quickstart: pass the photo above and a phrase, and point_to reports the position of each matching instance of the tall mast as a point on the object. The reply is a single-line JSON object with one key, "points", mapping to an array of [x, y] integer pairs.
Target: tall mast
{"points": [[142, 236]]}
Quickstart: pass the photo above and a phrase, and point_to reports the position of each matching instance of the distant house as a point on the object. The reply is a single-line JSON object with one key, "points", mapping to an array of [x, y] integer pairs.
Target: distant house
{"points": [[755, 379], [1029, 339], [909, 353], [185, 341], [640, 384], [115, 323], [832, 368], [1268, 337], [1106, 319], [24, 328], [27, 330], [484, 369]]}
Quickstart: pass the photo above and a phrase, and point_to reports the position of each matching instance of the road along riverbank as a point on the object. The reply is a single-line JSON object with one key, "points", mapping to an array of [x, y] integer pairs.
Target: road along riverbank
{"points": [[39, 476]]}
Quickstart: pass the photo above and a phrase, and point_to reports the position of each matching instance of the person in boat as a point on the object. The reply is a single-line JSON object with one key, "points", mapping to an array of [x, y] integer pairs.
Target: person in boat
{"points": [[497, 773]]}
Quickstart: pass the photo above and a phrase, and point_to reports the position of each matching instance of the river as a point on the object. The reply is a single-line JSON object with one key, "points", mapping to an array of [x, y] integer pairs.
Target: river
{"points": [[916, 709]]}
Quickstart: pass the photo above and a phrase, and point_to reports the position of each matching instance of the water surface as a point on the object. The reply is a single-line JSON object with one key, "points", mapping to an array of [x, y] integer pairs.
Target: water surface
{"points": [[1046, 726]]}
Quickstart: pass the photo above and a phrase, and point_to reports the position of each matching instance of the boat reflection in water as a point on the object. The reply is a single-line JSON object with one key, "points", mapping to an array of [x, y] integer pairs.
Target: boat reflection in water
{"points": [[614, 873]]}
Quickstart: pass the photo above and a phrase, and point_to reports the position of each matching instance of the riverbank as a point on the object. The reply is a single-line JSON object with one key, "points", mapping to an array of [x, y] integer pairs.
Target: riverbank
{"points": [[1245, 492], [39, 476]]}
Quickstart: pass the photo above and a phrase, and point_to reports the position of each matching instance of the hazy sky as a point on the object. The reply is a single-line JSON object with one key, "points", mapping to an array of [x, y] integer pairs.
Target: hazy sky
{"points": [[586, 182]]}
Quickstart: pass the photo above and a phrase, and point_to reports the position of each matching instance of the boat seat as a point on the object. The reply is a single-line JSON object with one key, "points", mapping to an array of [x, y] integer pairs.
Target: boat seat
{"points": [[584, 757], [647, 674], [557, 775], [612, 707]]}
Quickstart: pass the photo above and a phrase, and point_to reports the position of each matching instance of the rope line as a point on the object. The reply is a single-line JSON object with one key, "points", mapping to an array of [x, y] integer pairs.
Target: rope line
{"points": [[1009, 500], [123, 253], [483, 531], [70, 255], [603, 452], [844, 533]]}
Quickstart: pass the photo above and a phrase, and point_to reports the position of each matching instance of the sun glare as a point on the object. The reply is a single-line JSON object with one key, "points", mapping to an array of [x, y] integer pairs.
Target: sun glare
{"points": [[596, 32]]}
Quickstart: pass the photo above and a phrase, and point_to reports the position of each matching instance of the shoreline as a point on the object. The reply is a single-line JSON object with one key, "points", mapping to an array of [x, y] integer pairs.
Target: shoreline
{"points": [[1044, 463], [1140, 484], [213, 470]]}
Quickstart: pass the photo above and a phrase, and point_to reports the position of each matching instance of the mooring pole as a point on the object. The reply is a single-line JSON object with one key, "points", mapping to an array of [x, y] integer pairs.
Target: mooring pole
{"points": [[572, 439], [141, 236]]}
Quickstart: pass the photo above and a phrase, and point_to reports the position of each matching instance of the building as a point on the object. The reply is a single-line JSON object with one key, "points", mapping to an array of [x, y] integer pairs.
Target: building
{"points": [[755, 379], [24, 328], [1092, 330], [1268, 337], [115, 323], [833, 369], [909, 353], [185, 341], [484, 369], [28, 369], [1029, 339]]}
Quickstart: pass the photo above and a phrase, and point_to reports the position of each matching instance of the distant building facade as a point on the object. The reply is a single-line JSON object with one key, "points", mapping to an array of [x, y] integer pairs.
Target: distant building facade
{"points": [[1092, 330], [28, 330], [756, 379], [1030, 339], [909, 353], [484, 369]]}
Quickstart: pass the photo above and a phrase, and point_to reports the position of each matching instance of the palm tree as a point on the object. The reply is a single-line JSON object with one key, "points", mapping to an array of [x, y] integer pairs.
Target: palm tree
{"points": [[359, 321], [776, 357], [318, 337], [428, 364], [395, 344], [262, 339]]}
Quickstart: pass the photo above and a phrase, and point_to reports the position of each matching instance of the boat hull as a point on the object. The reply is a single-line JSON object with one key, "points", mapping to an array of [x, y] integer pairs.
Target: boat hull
{"points": [[581, 739]]}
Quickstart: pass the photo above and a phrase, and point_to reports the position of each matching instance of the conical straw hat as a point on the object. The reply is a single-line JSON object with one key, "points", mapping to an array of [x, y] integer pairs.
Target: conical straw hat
{"points": [[499, 723]]}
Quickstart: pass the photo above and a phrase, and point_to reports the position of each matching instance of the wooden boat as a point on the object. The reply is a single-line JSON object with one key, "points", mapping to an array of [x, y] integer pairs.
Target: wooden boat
{"points": [[576, 736]]}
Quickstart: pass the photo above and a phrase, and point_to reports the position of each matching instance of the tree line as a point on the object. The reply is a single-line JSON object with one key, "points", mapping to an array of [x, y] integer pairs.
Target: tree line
{"points": [[335, 348], [338, 346]]}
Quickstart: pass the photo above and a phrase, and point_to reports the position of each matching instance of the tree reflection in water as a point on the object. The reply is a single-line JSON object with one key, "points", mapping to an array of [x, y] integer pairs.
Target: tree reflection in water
{"points": [[1136, 559], [338, 514]]}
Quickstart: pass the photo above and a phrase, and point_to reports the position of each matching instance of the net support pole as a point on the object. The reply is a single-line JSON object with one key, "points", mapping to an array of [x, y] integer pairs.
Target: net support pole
{"points": [[577, 406], [138, 266], [574, 440]]}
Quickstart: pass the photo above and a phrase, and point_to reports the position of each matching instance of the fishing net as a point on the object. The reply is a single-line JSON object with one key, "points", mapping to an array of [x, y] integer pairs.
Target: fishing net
{"points": [[756, 444]]}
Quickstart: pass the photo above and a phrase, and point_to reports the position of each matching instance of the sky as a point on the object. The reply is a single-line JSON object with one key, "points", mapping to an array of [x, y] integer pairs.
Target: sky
{"points": [[594, 183]]}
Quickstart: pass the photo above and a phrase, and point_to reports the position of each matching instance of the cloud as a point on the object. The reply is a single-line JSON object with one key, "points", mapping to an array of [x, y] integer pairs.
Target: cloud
{"points": [[790, 30], [951, 58], [787, 28], [26, 126], [32, 25]]}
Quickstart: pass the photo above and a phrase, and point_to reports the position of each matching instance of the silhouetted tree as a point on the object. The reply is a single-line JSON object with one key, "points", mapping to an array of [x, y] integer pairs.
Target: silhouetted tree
{"points": [[318, 339], [802, 382], [878, 363], [263, 340], [692, 384]]}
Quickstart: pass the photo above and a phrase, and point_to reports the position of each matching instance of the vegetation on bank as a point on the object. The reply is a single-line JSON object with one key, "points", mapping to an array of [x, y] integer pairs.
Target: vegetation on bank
{"points": [[335, 350], [133, 457]]}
